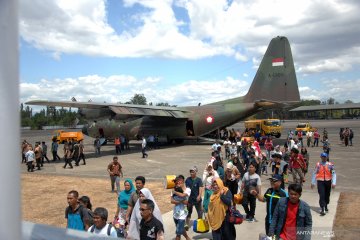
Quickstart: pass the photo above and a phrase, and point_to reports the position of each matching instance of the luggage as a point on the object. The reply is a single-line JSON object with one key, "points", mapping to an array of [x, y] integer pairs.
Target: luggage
{"points": [[200, 226], [234, 216]]}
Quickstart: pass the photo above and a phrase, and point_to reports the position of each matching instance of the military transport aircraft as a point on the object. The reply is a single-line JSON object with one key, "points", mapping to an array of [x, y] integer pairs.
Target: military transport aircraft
{"points": [[275, 85]]}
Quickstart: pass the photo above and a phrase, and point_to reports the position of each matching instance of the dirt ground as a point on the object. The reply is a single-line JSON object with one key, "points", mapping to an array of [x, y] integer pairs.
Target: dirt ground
{"points": [[44, 196], [44, 201], [347, 219]]}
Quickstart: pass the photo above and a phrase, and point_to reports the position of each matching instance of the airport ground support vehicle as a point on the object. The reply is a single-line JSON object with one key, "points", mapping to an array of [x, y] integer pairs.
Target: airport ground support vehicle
{"points": [[304, 128], [61, 136], [267, 127]]}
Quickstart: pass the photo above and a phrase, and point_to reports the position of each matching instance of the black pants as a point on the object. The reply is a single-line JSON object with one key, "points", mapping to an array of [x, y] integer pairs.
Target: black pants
{"points": [[267, 226], [118, 149], [233, 186], [81, 156], [324, 189], [30, 166], [55, 156], [249, 199], [225, 232], [38, 163], [43, 157], [198, 208], [144, 154], [68, 161], [316, 142]]}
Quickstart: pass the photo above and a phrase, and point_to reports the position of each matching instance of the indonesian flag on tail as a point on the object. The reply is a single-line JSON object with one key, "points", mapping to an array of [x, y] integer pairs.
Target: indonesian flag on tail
{"points": [[278, 62]]}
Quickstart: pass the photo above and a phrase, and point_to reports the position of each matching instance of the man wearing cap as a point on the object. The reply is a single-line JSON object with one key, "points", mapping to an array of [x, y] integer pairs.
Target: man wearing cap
{"points": [[271, 197], [297, 164], [280, 167], [196, 185], [325, 177]]}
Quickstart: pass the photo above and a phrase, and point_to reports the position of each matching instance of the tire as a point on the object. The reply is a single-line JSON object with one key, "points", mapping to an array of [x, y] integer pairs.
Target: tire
{"points": [[179, 141]]}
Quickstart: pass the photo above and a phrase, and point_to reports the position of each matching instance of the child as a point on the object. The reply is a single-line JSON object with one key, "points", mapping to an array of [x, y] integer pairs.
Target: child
{"points": [[264, 164], [179, 198]]}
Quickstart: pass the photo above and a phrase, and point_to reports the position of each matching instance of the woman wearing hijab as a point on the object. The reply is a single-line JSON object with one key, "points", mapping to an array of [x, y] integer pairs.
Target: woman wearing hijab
{"points": [[123, 199], [220, 201], [134, 225], [208, 176]]}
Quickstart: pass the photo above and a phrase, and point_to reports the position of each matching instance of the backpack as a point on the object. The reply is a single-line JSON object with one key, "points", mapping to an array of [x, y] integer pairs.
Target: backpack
{"points": [[81, 209], [92, 229], [120, 232]]}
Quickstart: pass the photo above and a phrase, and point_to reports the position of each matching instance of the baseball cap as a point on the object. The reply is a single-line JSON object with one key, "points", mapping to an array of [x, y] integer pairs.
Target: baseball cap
{"points": [[323, 154], [194, 168], [275, 178]]}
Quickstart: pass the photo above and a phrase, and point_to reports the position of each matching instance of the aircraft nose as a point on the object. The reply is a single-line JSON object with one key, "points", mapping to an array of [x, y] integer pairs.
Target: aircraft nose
{"points": [[85, 130]]}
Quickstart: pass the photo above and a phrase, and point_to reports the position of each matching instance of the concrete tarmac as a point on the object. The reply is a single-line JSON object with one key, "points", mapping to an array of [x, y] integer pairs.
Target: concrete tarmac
{"points": [[178, 159]]}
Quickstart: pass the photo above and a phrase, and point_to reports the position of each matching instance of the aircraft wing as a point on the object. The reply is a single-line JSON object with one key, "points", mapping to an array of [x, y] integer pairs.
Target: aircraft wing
{"points": [[125, 110]]}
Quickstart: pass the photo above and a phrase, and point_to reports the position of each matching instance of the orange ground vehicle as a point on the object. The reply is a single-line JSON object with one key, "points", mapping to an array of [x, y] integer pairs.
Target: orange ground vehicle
{"points": [[61, 136]]}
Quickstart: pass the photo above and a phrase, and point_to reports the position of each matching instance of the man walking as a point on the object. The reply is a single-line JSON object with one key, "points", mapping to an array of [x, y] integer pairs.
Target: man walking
{"points": [[297, 164], [115, 171], [117, 145], [77, 216], [100, 226], [271, 197], [44, 152], [139, 184], [196, 186], [292, 217], [54, 149], [151, 228], [81, 153], [143, 148], [97, 145], [325, 176]]}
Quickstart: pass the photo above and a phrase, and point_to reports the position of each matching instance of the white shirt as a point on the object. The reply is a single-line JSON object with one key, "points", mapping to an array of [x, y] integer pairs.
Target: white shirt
{"points": [[30, 156], [103, 231]]}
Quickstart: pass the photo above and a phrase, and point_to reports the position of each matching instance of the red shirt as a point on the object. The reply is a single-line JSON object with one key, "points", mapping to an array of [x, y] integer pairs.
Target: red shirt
{"points": [[289, 230], [316, 135], [298, 162]]}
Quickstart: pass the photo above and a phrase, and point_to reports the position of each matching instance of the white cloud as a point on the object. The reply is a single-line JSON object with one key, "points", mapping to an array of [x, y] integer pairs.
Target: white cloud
{"points": [[324, 35], [340, 90], [120, 88]]}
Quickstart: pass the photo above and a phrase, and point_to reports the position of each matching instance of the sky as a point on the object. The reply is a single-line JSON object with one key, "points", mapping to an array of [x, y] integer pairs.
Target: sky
{"points": [[183, 52]]}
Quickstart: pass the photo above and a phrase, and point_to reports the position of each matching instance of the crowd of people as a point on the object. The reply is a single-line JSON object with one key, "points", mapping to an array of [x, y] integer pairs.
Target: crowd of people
{"points": [[35, 156], [235, 167]]}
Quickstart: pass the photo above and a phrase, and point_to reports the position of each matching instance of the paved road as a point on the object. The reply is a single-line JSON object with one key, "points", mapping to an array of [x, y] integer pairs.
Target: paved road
{"points": [[177, 159]]}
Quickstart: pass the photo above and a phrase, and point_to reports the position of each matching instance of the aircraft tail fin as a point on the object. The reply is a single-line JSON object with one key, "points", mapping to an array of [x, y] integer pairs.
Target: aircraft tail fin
{"points": [[275, 79]]}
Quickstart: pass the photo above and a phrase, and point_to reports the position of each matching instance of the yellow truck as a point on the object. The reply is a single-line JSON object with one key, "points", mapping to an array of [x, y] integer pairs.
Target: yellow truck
{"points": [[267, 127], [304, 128], [61, 136]]}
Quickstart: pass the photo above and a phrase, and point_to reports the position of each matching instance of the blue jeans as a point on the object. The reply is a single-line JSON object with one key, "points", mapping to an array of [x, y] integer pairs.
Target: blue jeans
{"points": [[180, 226]]}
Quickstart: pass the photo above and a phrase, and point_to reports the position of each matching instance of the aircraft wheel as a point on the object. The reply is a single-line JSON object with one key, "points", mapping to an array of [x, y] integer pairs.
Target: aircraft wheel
{"points": [[179, 141]]}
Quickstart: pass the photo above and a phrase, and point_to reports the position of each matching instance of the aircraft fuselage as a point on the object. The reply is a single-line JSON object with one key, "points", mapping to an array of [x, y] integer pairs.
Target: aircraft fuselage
{"points": [[200, 121]]}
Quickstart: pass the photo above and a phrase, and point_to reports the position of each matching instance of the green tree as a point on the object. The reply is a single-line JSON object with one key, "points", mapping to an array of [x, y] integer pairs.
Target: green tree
{"points": [[330, 101], [138, 99]]}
